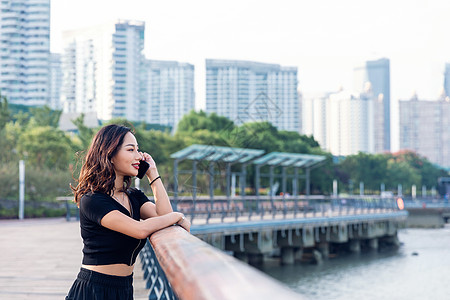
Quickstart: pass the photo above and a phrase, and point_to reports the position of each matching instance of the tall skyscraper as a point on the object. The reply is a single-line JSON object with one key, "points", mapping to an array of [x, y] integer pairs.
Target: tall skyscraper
{"points": [[377, 72], [425, 128], [350, 123], [447, 79], [102, 69], [245, 91], [25, 51], [55, 81], [169, 87], [344, 122], [314, 118]]}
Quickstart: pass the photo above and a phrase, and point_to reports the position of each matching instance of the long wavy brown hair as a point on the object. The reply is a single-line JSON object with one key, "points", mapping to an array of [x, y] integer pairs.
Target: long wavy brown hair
{"points": [[97, 173]]}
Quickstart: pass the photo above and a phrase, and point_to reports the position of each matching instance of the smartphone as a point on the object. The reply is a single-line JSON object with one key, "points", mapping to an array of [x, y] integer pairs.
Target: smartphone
{"points": [[143, 167]]}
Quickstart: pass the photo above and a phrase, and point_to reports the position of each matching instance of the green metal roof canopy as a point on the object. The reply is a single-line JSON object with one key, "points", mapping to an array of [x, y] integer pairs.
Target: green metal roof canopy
{"points": [[285, 160], [289, 159], [212, 153], [217, 153]]}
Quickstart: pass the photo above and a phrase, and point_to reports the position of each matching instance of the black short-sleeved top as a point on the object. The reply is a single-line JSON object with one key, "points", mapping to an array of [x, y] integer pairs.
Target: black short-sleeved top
{"points": [[103, 246]]}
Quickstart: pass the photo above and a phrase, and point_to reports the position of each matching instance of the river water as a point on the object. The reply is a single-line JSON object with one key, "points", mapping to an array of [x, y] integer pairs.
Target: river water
{"points": [[419, 269]]}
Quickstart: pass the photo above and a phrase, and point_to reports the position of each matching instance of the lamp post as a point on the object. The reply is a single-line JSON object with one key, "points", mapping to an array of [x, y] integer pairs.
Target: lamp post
{"points": [[21, 188]]}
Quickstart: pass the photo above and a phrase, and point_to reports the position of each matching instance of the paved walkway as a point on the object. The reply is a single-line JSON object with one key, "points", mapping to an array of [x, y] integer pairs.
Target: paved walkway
{"points": [[40, 259]]}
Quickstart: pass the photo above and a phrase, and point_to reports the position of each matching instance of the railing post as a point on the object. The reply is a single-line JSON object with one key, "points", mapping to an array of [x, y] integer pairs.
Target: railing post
{"points": [[257, 182], [175, 182], [271, 189], [283, 183]]}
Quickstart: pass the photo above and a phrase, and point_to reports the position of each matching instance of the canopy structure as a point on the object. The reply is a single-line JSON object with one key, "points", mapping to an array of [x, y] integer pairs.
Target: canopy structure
{"points": [[228, 155], [211, 153], [285, 160]]}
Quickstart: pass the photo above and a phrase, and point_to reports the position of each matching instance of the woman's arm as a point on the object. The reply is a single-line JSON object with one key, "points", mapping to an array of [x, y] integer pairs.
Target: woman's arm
{"points": [[162, 201], [117, 221]]}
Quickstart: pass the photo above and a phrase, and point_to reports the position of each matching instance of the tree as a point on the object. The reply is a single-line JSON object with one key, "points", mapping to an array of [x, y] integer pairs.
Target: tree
{"points": [[368, 168], [45, 116], [5, 114], [46, 147], [194, 121], [85, 133]]}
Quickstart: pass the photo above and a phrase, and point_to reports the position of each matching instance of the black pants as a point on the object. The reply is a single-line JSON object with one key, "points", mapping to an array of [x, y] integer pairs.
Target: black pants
{"points": [[91, 285]]}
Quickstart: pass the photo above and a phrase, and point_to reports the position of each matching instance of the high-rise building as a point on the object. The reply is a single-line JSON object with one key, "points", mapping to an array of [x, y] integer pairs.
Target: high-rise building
{"points": [[350, 123], [314, 118], [169, 90], [447, 79], [425, 128], [246, 91], [102, 69], [25, 51], [377, 73], [344, 122], [55, 81]]}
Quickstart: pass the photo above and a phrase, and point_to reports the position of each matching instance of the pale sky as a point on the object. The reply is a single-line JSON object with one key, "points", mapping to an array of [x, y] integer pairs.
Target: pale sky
{"points": [[324, 39]]}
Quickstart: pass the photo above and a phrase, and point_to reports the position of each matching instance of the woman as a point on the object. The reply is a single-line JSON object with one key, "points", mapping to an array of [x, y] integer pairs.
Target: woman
{"points": [[115, 219]]}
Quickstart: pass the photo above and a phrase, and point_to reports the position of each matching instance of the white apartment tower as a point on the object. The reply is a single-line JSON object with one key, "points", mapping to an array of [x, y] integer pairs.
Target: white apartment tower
{"points": [[246, 91], [55, 81], [169, 91], [350, 119], [425, 128], [102, 68], [314, 118], [344, 122], [25, 51]]}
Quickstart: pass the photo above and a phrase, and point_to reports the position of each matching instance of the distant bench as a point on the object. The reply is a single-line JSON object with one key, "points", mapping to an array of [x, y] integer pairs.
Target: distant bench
{"points": [[70, 206]]}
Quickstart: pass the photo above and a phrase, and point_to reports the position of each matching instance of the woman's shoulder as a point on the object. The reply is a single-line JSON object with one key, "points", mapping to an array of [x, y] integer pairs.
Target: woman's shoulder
{"points": [[94, 196], [91, 198]]}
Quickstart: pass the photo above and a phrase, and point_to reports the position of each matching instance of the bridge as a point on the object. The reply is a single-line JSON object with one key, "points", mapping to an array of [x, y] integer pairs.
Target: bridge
{"points": [[250, 228]]}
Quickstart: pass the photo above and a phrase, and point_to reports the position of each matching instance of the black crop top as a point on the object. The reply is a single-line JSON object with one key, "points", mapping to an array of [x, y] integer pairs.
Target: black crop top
{"points": [[103, 246]]}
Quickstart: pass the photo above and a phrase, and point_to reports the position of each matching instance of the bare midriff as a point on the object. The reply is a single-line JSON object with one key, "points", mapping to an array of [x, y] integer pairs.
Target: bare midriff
{"points": [[113, 269]]}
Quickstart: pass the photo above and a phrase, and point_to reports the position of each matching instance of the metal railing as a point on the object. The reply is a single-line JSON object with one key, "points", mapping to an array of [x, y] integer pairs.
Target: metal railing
{"points": [[196, 270], [288, 206], [154, 276]]}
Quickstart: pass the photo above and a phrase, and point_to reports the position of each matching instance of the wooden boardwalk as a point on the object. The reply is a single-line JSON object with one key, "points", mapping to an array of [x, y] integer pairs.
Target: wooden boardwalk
{"points": [[40, 259]]}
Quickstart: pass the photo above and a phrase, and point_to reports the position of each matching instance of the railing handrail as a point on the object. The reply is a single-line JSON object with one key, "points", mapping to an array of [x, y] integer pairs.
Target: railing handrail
{"points": [[197, 270]]}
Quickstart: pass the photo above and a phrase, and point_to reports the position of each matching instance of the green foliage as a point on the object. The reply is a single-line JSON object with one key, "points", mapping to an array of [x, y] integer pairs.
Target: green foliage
{"points": [[405, 168], [5, 113], [46, 147], [45, 116], [85, 133], [41, 183], [194, 121]]}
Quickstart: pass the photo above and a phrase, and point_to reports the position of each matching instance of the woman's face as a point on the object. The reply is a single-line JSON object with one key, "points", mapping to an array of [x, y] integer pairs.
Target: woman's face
{"points": [[126, 160]]}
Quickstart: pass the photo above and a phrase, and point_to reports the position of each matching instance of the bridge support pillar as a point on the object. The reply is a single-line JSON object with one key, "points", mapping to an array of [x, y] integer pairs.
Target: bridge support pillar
{"points": [[391, 241], [373, 244], [308, 237], [287, 255], [298, 253], [324, 249], [354, 246], [255, 259], [242, 256]]}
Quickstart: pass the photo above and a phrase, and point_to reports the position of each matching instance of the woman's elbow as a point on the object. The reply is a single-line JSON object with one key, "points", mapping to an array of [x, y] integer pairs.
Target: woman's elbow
{"points": [[142, 233]]}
